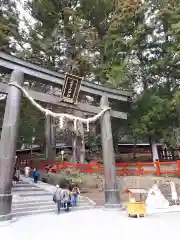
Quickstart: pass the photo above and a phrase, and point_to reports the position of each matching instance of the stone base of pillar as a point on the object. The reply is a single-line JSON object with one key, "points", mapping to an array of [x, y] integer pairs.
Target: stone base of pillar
{"points": [[9, 222], [5, 218], [112, 198], [5, 207], [115, 207]]}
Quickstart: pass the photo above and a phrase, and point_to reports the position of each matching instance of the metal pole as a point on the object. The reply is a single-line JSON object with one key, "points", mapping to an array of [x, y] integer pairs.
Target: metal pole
{"points": [[9, 137], [112, 196]]}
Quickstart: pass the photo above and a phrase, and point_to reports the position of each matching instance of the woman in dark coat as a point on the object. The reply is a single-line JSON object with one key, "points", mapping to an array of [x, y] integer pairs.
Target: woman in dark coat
{"points": [[16, 175]]}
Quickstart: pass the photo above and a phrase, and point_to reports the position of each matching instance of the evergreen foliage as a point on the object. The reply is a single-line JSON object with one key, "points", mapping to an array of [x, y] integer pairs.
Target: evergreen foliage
{"points": [[122, 43]]}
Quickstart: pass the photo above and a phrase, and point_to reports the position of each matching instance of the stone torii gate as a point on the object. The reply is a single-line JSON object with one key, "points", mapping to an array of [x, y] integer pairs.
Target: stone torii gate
{"points": [[21, 70]]}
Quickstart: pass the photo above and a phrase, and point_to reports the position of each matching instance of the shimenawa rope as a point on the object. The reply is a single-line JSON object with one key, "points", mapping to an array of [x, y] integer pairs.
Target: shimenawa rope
{"points": [[61, 116]]}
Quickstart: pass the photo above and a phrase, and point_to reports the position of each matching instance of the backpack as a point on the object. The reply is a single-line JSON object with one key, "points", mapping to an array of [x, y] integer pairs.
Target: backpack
{"points": [[66, 195], [54, 199], [76, 191]]}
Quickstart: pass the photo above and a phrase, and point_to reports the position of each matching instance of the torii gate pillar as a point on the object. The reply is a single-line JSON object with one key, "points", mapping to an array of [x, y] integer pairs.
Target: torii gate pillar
{"points": [[8, 142], [112, 197]]}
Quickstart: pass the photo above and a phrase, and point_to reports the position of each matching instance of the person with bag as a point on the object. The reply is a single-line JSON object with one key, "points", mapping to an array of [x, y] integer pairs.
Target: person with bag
{"points": [[57, 198], [66, 199], [75, 195]]}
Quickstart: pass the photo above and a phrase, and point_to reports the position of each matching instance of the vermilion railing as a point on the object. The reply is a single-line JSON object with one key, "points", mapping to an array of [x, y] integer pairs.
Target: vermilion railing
{"points": [[122, 169]]}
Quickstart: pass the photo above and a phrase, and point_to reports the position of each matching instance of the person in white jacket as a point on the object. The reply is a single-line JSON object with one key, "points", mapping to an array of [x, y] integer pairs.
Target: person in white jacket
{"points": [[26, 171], [66, 198], [57, 198]]}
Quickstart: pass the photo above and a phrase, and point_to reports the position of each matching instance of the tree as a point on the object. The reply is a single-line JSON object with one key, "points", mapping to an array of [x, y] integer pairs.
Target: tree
{"points": [[125, 43], [32, 125], [9, 30], [168, 58], [56, 40], [96, 15], [140, 52]]}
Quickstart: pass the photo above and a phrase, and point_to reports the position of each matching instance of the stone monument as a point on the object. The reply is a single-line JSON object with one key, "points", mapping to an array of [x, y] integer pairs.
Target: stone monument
{"points": [[156, 199]]}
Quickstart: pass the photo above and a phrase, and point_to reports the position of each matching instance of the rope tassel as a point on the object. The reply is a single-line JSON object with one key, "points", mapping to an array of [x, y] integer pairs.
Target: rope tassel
{"points": [[75, 124], [87, 126], [61, 122]]}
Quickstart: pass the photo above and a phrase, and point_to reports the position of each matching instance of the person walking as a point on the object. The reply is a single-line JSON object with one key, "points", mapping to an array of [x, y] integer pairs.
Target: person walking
{"points": [[36, 175], [66, 198], [16, 175], [75, 195], [26, 171], [57, 198]]}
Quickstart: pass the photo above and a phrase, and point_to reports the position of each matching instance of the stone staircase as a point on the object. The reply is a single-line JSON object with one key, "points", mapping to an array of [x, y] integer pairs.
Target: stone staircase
{"points": [[30, 199]]}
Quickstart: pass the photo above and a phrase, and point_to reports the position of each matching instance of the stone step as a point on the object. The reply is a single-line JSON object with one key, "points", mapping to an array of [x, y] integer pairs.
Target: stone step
{"points": [[23, 185], [31, 204], [29, 199], [33, 198], [39, 199], [25, 189], [47, 210], [34, 193], [32, 208], [22, 182], [26, 202], [39, 207]]}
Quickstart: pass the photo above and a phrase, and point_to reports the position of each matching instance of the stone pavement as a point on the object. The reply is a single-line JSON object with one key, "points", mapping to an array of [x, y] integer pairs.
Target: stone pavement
{"points": [[30, 198], [94, 224], [96, 196]]}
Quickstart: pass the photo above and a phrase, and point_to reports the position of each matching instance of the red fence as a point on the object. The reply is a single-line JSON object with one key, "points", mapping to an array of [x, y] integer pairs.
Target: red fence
{"points": [[122, 169]]}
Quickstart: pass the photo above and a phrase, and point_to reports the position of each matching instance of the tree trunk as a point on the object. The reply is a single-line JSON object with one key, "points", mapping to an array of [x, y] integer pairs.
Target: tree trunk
{"points": [[150, 144], [53, 136], [78, 150], [50, 138], [154, 152], [81, 143], [74, 140], [134, 150], [78, 142], [49, 149]]}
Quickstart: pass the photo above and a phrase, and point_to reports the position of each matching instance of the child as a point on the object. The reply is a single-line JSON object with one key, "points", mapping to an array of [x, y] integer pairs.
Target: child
{"points": [[75, 194], [36, 175]]}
